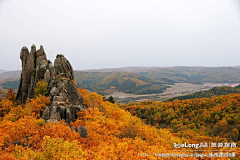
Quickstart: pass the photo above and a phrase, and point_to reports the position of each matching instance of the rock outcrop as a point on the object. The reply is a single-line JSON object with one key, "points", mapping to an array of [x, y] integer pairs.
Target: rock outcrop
{"points": [[62, 65], [66, 100]]}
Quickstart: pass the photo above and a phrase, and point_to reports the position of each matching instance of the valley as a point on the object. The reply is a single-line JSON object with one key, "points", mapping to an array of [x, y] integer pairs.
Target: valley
{"points": [[178, 89], [134, 84]]}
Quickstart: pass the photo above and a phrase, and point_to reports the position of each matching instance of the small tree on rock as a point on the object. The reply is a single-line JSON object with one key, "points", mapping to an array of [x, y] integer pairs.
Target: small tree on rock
{"points": [[41, 88]]}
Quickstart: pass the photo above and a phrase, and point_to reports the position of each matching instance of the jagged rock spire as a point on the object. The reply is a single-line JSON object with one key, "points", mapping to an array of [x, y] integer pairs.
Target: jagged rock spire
{"points": [[66, 100], [62, 65]]}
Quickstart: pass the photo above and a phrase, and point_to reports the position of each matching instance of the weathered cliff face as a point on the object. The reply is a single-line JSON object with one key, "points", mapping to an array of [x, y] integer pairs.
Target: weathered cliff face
{"points": [[62, 65], [66, 100], [34, 65]]}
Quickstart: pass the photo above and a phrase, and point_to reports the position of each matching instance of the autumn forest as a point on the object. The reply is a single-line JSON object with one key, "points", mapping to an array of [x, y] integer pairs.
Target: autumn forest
{"points": [[49, 117], [116, 131]]}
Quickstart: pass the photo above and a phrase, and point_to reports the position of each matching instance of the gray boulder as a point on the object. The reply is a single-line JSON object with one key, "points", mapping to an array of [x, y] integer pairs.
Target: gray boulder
{"points": [[47, 76], [82, 130], [54, 114], [71, 92], [46, 114], [54, 91], [57, 98], [73, 128]]}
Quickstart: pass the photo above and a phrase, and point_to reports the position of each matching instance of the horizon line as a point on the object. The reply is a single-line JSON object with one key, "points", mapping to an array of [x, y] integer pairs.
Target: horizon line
{"points": [[137, 67]]}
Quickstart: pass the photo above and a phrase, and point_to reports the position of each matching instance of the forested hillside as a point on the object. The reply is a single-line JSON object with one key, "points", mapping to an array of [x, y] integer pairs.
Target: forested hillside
{"points": [[10, 74], [205, 119], [217, 91], [10, 83], [107, 82], [196, 74], [112, 132]]}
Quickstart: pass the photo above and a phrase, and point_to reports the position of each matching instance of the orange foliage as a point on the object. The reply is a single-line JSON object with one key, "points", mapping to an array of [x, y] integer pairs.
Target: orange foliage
{"points": [[84, 93], [38, 104], [33, 107], [16, 113], [213, 119], [11, 95], [5, 106], [18, 130], [92, 100], [113, 133]]}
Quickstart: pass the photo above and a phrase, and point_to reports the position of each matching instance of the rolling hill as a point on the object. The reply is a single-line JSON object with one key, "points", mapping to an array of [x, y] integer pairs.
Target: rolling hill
{"points": [[107, 82], [196, 74], [10, 83], [103, 80], [10, 74], [124, 69], [141, 80]]}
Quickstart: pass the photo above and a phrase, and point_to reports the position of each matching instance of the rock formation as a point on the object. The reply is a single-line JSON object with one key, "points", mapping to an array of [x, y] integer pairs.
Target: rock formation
{"points": [[32, 71], [66, 100], [62, 65]]}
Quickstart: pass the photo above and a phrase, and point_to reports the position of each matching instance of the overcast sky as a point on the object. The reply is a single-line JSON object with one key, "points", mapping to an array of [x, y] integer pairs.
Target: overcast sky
{"points": [[95, 34]]}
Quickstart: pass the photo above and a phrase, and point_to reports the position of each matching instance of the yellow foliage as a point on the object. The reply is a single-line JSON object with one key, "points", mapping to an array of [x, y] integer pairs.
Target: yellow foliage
{"points": [[52, 148], [41, 88], [138, 81]]}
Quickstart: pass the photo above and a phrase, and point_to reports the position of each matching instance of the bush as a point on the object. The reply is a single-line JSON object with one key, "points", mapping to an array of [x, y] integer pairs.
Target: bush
{"points": [[41, 88]]}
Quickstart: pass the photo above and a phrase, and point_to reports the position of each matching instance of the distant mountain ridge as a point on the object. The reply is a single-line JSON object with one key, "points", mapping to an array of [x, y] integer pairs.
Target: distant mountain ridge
{"points": [[2, 71], [122, 69], [196, 74], [186, 74], [10, 74], [152, 79]]}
